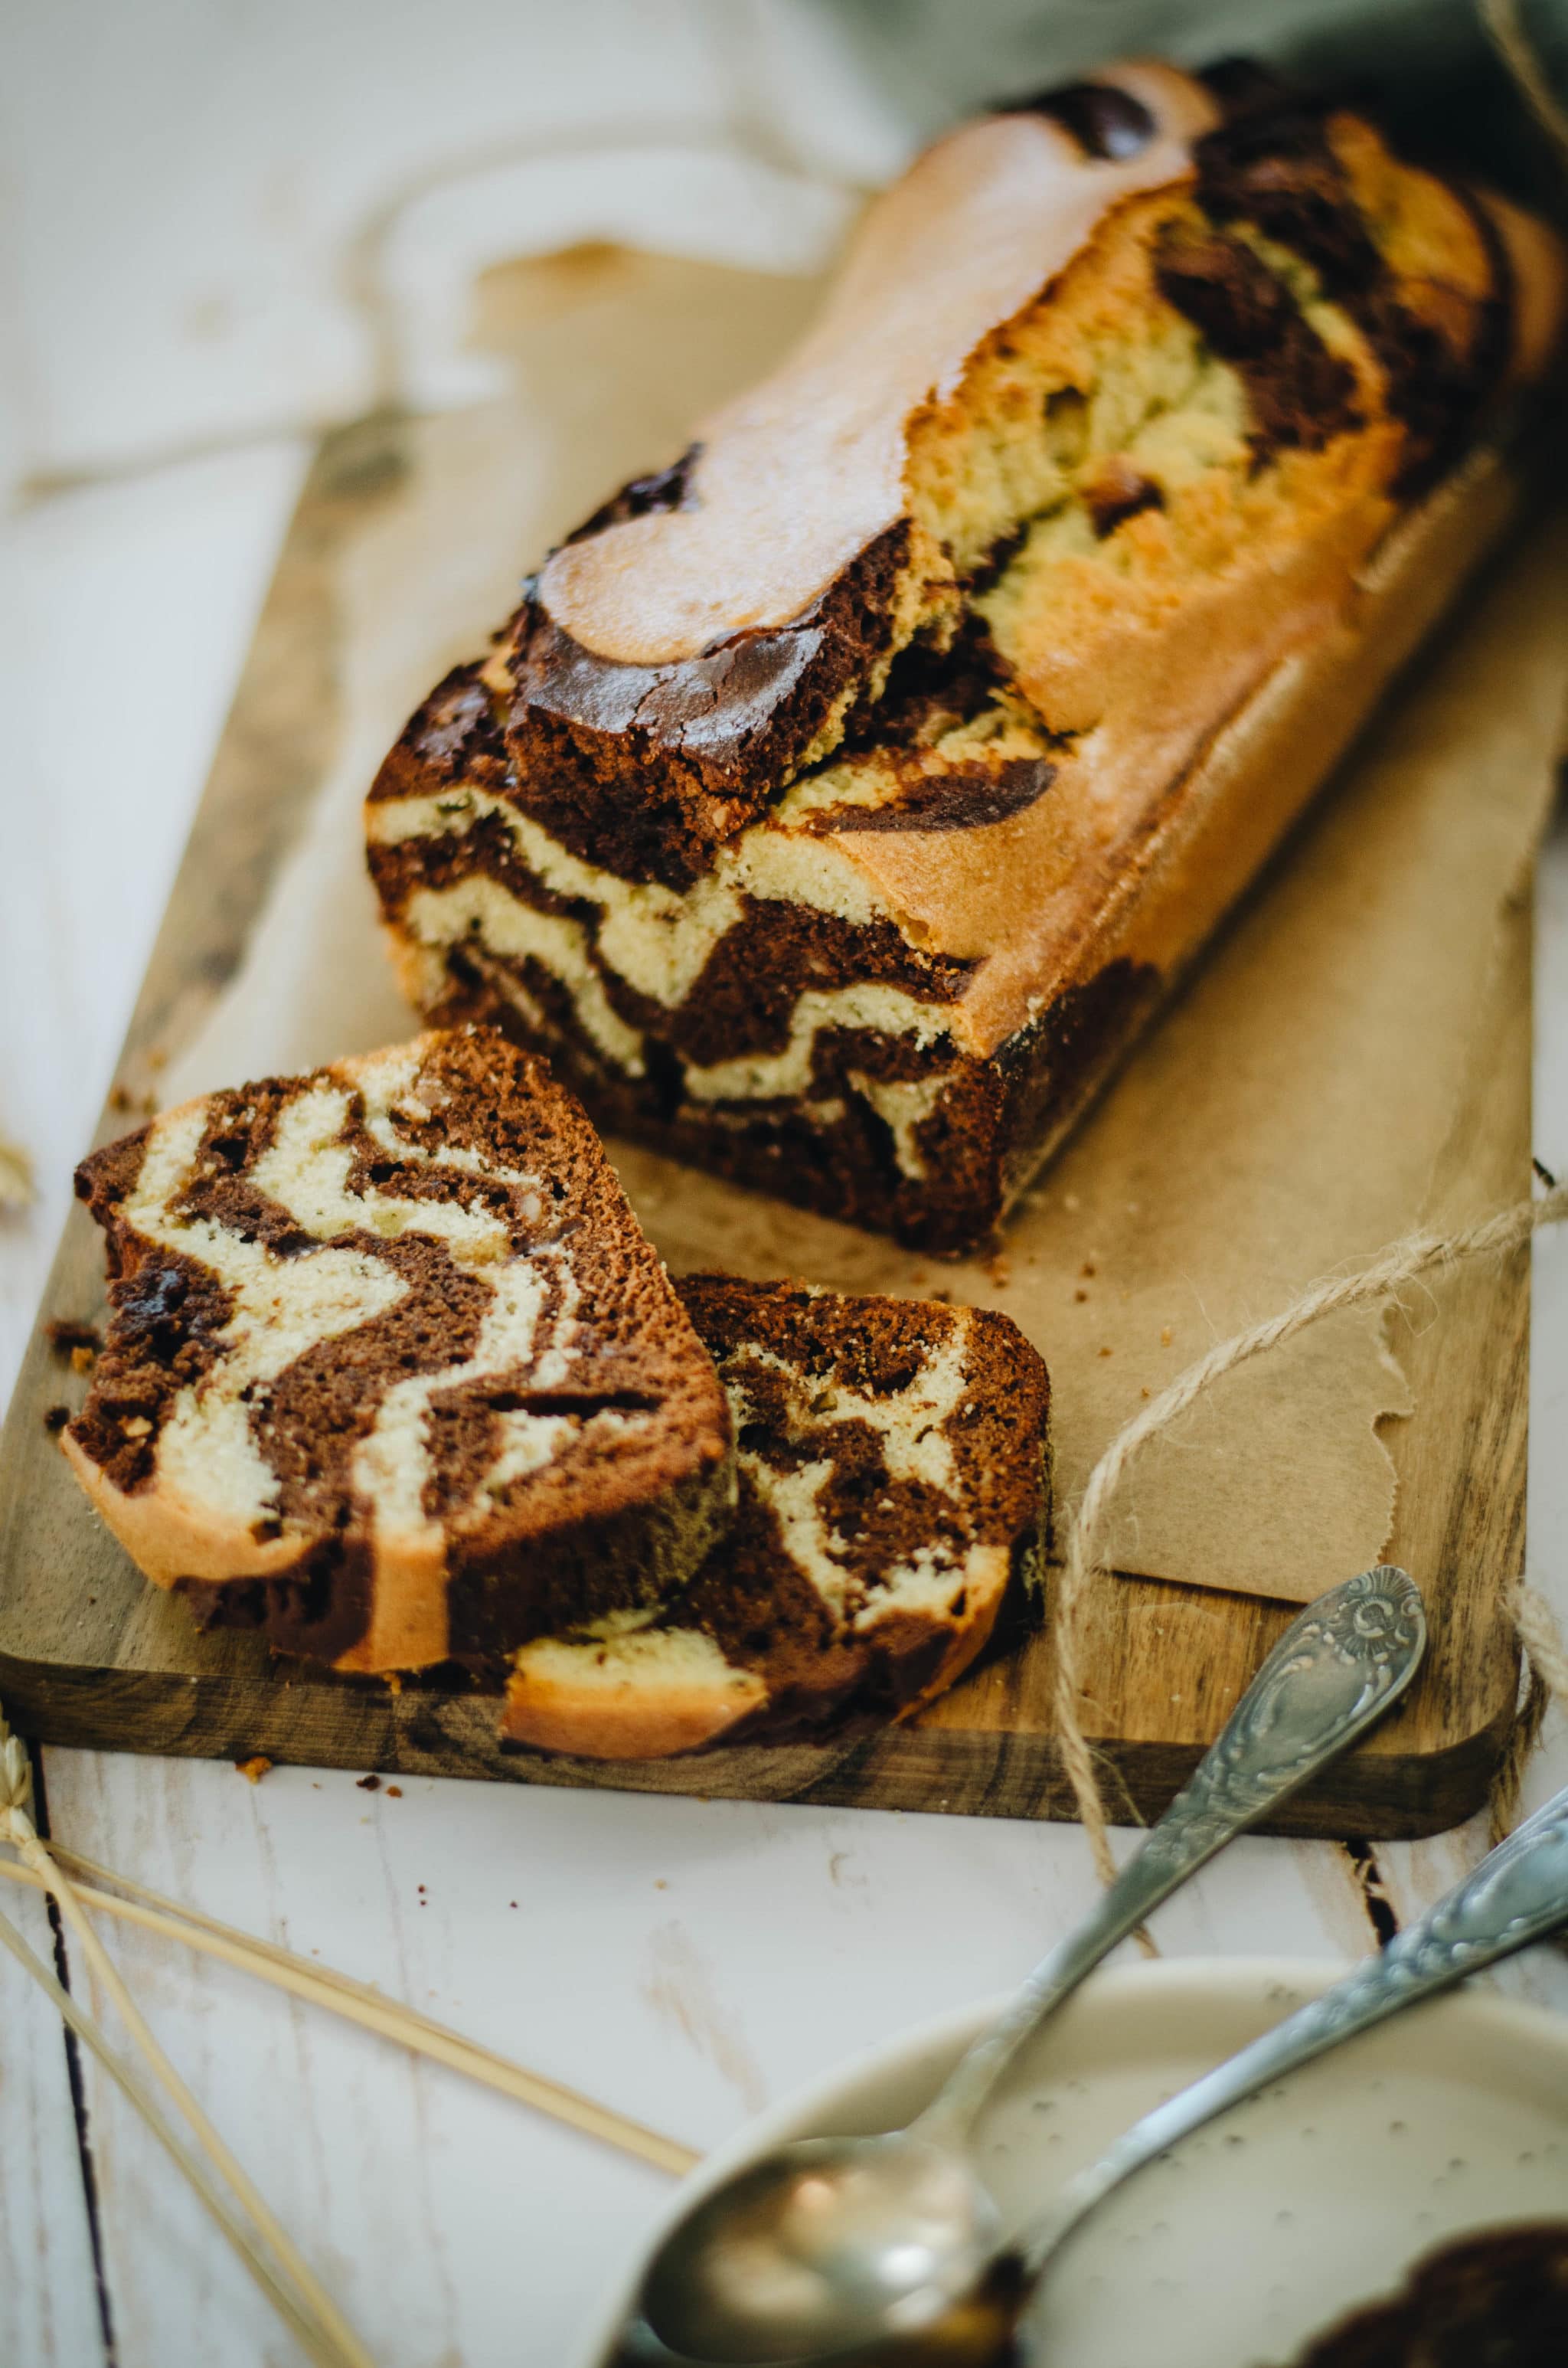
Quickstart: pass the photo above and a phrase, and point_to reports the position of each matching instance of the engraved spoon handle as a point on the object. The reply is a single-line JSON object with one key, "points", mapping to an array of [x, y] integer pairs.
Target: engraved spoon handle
{"points": [[1336, 1668], [1518, 1894]]}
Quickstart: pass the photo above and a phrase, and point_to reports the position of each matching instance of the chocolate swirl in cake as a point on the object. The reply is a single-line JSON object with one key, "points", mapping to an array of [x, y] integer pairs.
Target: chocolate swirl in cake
{"points": [[819, 778], [391, 1372], [894, 1484]]}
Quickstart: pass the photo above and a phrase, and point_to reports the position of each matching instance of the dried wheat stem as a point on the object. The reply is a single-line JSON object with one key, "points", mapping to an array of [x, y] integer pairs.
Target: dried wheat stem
{"points": [[15, 1175], [359, 2002], [323, 2353], [1506, 28], [1403, 1262], [338, 2341]]}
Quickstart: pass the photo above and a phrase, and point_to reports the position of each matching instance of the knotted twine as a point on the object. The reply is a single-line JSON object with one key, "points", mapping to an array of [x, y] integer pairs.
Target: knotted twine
{"points": [[1404, 1262]]}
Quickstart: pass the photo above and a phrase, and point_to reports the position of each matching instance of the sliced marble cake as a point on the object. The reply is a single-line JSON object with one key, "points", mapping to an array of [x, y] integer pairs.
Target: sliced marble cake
{"points": [[393, 1372], [893, 1482], [843, 798]]}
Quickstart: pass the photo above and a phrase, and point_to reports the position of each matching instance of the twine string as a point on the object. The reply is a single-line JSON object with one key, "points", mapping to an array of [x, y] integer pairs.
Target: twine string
{"points": [[302, 2301], [298, 2296], [1402, 1263]]}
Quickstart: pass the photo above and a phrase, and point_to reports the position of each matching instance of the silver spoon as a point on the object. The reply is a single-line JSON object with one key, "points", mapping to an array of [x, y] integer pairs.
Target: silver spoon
{"points": [[832, 2248], [1518, 1894]]}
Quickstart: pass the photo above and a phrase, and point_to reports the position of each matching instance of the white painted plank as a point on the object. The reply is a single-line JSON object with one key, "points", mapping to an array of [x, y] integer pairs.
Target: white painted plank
{"points": [[688, 1961], [205, 189], [125, 613], [685, 1961], [1418, 1873], [49, 2305]]}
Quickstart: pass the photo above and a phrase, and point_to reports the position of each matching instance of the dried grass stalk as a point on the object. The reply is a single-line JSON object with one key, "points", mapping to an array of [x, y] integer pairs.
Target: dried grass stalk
{"points": [[362, 2003], [15, 1175], [288, 2280]]}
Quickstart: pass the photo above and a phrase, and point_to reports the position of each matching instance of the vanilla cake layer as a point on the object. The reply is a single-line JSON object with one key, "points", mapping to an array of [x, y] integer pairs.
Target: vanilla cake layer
{"points": [[895, 1484], [392, 1373], [841, 802]]}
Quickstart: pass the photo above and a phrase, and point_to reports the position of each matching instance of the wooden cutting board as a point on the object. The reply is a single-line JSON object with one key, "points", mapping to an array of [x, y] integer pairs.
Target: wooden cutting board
{"points": [[90, 1656]]}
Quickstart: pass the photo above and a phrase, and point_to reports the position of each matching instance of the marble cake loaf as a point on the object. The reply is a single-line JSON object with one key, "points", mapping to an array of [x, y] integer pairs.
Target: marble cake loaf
{"points": [[894, 1486], [392, 1373], [840, 801], [1495, 2300]]}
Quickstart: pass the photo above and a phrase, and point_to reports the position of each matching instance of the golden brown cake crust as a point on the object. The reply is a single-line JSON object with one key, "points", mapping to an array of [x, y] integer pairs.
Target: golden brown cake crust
{"points": [[393, 1372], [872, 937], [894, 1462]]}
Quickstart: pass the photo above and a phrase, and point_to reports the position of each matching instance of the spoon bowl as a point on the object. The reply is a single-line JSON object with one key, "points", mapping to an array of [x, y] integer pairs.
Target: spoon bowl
{"points": [[1232, 2253], [844, 2249], [819, 2242]]}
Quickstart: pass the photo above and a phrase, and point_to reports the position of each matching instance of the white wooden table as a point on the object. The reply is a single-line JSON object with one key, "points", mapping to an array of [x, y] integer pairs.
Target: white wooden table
{"points": [[197, 189]]}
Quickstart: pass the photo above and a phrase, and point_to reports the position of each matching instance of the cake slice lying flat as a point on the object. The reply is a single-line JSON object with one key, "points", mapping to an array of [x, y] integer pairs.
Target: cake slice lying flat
{"points": [[893, 1483], [392, 1373]]}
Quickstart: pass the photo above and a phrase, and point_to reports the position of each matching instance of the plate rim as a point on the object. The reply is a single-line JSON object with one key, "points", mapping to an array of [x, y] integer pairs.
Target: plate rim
{"points": [[1205, 1979]]}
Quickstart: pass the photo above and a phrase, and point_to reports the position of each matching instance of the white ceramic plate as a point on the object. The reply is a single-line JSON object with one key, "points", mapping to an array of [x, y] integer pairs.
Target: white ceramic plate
{"points": [[1267, 2227]]}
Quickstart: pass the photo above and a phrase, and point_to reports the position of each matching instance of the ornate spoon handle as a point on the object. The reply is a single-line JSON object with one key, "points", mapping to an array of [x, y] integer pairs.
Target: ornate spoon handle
{"points": [[1518, 1894], [1338, 1667]]}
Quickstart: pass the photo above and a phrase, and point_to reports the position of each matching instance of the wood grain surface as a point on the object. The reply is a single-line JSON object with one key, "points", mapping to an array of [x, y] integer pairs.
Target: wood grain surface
{"points": [[90, 1656]]}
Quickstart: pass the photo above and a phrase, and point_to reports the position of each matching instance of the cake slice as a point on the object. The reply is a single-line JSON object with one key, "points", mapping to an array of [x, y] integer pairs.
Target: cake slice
{"points": [[392, 1373], [894, 1484], [843, 798]]}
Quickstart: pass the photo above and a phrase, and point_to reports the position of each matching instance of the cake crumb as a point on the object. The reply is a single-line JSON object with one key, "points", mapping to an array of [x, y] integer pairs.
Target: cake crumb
{"points": [[1080, 1292], [1146, 1391], [394, 1792], [56, 1417], [372, 1783], [83, 1360], [1089, 1268], [394, 1683], [1164, 1336], [67, 1338], [253, 1769], [119, 1100], [1105, 1353]]}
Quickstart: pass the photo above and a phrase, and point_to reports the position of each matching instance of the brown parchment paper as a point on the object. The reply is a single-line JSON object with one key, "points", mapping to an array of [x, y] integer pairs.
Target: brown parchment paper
{"points": [[1286, 1115]]}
